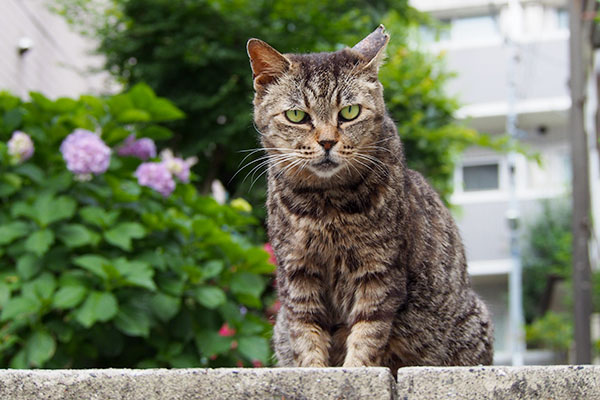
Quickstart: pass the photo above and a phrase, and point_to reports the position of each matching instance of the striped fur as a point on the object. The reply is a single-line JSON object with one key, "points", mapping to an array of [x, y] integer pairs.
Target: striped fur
{"points": [[372, 270]]}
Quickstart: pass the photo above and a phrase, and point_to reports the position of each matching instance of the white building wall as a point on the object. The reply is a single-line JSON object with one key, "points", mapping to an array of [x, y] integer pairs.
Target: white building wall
{"points": [[59, 61], [475, 49]]}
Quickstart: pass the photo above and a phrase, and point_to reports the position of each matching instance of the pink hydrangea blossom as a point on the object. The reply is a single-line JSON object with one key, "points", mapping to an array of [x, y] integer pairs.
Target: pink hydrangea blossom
{"points": [[177, 165], [157, 176], [20, 147], [85, 153], [141, 148]]}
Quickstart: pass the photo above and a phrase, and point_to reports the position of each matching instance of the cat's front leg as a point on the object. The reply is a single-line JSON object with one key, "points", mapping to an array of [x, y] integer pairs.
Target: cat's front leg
{"points": [[310, 343], [376, 300], [301, 290], [366, 343]]}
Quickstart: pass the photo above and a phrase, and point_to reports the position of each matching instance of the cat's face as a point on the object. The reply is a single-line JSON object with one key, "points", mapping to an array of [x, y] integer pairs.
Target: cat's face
{"points": [[319, 115]]}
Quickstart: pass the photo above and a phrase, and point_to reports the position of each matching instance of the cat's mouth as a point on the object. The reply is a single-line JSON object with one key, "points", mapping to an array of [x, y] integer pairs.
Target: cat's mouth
{"points": [[326, 167], [326, 163]]}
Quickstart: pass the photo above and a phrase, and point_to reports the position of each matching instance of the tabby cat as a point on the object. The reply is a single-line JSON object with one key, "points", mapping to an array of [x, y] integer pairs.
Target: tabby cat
{"points": [[372, 270]]}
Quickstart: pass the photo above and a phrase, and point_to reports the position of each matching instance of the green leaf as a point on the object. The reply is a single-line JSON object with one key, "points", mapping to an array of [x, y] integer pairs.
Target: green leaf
{"points": [[136, 273], [19, 361], [40, 288], [48, 209], [122, 234], [119, 103], [253, 325], [64, 105], [4, 294], [69, 296], [9, 183], [210, 343], [12, 231], [115, 135], [22, 209], [98, 216], [19, 307], [133, 321], [28, 266], [210, 296], [156, 132], [99, 306], [77, 235], [12, 119], [123, 190], [42, 101], [32, 171], [212, 269], [39, 242], [247, 283], [134, 115], [40, 347], [94, 264], [164, 306], [141, 95], [164, 110], [255, 348]]}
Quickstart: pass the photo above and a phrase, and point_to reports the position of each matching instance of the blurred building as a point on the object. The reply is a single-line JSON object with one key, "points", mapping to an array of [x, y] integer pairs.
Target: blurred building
{"points": [[38, 52], [475, 43]]}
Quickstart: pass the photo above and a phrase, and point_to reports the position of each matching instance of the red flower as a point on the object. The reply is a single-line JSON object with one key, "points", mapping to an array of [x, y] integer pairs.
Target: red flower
{"points": [[269, 249], [226, 330], [257, 364]]}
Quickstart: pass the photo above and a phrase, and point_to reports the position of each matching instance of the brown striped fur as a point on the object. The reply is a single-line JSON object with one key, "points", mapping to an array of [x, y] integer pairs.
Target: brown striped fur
{"points": [[372, 270]]}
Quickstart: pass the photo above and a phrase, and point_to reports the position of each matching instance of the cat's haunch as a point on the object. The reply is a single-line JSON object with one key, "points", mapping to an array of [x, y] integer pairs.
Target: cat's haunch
{"points": [[371, 267]]}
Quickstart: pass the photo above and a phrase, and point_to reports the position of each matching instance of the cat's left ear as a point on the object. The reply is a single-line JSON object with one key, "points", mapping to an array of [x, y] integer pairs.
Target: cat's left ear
{"points": [[266, 62], [372, 48]]}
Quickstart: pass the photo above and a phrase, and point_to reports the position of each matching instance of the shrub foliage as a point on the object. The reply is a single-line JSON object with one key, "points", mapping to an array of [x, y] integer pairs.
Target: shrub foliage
{"points": [[103, 272]]}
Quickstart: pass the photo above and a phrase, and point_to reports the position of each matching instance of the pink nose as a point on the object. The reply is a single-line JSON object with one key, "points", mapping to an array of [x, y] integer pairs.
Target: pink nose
{"points": [[327, 144]]}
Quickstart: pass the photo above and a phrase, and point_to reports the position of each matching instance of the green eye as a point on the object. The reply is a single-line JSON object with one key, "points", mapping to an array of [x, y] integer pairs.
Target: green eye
{"points": [[348, 113], [295, 116]]}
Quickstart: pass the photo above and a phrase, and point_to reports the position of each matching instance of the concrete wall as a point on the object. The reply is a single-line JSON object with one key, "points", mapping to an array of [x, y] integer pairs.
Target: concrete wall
{"points": [[59, 60], [557, 383]]}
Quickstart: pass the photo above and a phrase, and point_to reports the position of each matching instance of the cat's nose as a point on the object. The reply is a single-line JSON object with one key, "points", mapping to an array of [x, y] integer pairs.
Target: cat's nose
{"points": [[327, 144]]}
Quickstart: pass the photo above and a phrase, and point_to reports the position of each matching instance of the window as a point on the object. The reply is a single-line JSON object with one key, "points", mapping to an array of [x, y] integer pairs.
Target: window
{"points": [[467, 29], [480, 177], [480, 28], [563, 18]]}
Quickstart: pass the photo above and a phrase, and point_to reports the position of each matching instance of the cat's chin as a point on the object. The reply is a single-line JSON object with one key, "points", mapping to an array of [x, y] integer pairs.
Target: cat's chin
{"points": [[326, 168]]}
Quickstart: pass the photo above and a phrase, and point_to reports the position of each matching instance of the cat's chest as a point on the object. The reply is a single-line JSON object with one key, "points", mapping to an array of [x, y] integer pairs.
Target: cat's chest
{"points": [[331, 246]]}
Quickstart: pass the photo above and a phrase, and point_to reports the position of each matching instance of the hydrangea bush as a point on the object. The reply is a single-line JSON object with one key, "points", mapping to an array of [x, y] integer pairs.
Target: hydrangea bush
{"points": [[109, 257]]}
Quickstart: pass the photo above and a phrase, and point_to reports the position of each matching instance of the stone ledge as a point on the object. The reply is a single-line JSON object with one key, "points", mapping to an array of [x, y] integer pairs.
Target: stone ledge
{"points": [[548, 382], [502, 383], [196, 384]]}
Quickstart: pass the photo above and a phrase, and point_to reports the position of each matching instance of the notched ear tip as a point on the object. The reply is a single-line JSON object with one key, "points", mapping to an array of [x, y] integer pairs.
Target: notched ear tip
{"points": [[372, 47]]}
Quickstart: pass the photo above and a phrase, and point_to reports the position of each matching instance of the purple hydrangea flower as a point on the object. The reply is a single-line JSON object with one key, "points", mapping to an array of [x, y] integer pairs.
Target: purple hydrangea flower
{"points": [[177, 165], [156, 176], [20, 147], [85, 153], [142, 148]]}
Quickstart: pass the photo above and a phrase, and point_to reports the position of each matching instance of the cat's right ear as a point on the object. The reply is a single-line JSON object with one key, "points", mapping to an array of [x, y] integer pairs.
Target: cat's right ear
{"points": [[267, 63]]}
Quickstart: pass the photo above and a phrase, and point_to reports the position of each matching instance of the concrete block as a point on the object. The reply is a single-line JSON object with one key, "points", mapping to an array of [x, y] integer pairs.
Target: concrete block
{"points": [[499, 383], [188, 384]]}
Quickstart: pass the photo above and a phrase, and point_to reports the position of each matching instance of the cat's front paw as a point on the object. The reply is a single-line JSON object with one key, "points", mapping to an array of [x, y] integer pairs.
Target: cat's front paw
{"points": [[353, 363], [313, 364]]}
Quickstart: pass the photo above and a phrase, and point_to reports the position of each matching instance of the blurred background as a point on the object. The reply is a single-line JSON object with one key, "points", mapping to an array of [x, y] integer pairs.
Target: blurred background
{"points": [[481, 91]]}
